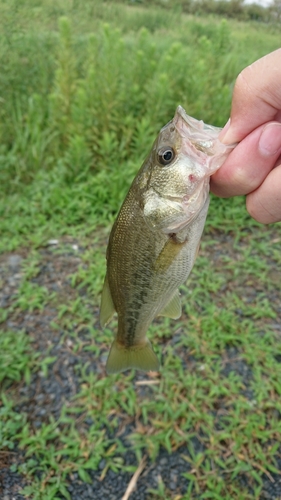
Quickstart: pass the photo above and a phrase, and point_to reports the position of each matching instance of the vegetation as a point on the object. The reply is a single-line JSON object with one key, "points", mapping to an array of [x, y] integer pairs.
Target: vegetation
{"points": [[235, 9], [84, 88]]}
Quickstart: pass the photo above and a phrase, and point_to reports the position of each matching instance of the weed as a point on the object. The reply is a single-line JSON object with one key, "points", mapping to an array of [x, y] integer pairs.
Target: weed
{"points": [[17, 357]]}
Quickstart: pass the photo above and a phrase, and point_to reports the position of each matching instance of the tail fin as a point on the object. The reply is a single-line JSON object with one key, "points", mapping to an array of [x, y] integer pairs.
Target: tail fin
{"points": [[140, 357]]}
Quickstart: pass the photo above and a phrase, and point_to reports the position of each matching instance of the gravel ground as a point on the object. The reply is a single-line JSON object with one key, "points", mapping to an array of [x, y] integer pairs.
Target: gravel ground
{"points": [[45, 396]]}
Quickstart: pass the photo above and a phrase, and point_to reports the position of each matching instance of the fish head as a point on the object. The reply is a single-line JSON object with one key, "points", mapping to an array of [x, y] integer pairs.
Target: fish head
{"points": [[184, 156]]}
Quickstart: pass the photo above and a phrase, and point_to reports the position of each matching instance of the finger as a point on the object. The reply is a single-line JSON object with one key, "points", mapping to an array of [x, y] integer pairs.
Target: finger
{"points": [[264, 204], [256, 97], [249, 163]]}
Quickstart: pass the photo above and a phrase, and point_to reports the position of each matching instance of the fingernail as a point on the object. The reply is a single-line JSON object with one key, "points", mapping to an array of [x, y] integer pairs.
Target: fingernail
{"points": [[270, 139], [227, 135], [224, 131]]}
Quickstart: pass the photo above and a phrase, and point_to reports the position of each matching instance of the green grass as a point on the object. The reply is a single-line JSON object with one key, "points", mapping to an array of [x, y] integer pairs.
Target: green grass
{"points": [[84, 89], [17, 356]]}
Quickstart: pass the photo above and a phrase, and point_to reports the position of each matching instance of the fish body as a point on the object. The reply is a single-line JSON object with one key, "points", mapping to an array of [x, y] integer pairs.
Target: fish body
{"points": [[155, 238]]}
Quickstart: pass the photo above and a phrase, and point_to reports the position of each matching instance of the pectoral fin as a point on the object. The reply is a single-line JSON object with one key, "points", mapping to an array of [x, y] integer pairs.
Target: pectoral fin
{"points": [[168, 254], [173, 308], [107, 308]]}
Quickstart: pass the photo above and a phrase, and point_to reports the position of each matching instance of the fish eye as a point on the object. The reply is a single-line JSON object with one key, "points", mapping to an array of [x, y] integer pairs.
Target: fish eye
{"points": [[166, 155]]}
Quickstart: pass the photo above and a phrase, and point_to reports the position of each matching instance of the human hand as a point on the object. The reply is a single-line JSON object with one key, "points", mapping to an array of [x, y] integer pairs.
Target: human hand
{"points": [[254, 166]]}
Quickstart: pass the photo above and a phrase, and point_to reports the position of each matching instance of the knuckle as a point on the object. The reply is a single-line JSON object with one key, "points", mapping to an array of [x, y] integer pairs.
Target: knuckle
{"points": [[244, 182], [257, 211], [244, 80], [251, 209]]}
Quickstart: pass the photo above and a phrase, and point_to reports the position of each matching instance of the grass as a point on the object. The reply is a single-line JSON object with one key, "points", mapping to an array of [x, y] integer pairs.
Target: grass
{"points": [[17, 356], [83, 98]]}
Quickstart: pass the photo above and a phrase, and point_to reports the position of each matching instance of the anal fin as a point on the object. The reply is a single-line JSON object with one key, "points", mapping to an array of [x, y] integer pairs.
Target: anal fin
{"points": [[173, 308]]}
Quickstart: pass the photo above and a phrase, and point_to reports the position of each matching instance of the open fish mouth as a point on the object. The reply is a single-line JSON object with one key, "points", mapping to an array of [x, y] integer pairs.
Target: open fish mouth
{"points": [[201, 141], [197, 136]]}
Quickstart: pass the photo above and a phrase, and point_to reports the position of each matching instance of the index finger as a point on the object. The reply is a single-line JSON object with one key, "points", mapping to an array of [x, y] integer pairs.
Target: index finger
{"points": [[256, 97]]}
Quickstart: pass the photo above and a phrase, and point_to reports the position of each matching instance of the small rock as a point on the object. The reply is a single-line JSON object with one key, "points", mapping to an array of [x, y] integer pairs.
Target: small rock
{"points": [[12, 281], [102, 464], [103, 358], [201, 368], [39, 397], [14, 260], [172, 485]]}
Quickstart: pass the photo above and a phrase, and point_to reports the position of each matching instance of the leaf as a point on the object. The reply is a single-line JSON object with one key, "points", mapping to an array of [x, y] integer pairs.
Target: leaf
{"points": [[84, 475]]}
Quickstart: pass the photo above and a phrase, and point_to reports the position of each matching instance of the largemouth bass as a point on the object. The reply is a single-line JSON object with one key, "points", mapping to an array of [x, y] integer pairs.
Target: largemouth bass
{"points": [[155, 238]]}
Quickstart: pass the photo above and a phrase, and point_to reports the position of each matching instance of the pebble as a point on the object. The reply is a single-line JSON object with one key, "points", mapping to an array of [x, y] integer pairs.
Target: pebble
{"points": [[14, 261], [102, 464], [12, 282], [172, 485]]}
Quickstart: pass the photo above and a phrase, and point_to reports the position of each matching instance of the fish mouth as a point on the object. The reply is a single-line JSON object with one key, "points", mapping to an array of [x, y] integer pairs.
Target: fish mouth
{"points": [[201, 141], [180, 112], [198, 140]]}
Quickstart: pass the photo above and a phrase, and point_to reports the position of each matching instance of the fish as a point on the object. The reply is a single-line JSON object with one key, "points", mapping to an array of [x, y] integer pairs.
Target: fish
{"points": [[155, 238]]}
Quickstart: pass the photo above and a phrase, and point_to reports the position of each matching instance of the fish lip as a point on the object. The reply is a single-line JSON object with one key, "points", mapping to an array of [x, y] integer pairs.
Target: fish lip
{"points": [[182, 199], [183, 114], [175, 229], [177, 199], [202, 140], [197, 138], [193, 122]]}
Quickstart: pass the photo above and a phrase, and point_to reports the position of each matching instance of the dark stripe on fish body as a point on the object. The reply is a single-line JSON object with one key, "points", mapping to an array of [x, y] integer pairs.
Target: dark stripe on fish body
{"points": [[141, 283]]}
